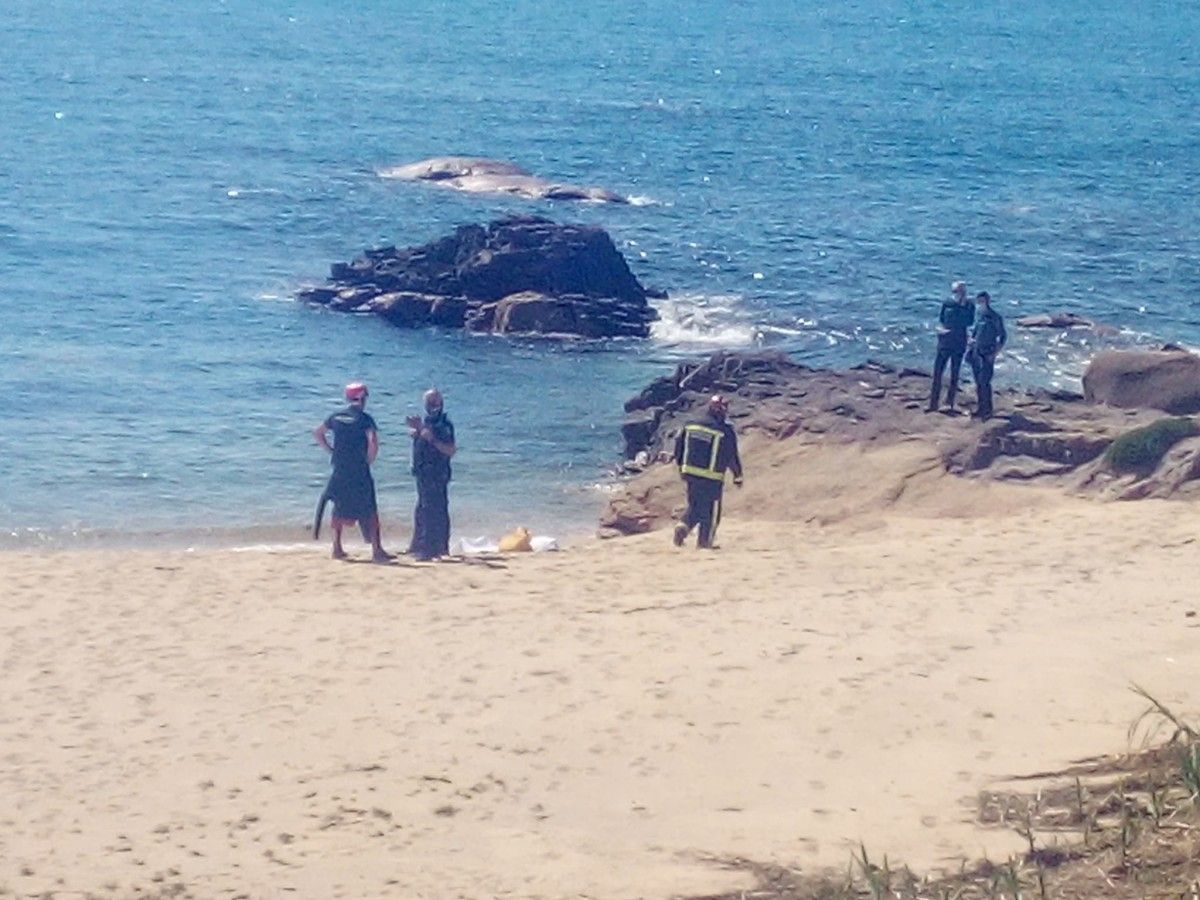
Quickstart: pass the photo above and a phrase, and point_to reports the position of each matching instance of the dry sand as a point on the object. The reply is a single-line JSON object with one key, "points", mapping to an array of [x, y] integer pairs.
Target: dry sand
{"points": [[602, 722]]}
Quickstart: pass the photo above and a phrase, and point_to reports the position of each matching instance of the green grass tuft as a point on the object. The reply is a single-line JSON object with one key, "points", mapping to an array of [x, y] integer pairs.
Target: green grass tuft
{"points": [[1143, 448]]}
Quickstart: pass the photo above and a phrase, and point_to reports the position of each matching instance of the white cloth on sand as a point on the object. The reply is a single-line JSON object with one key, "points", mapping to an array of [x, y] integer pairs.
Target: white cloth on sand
{"points": [[480, 545]]}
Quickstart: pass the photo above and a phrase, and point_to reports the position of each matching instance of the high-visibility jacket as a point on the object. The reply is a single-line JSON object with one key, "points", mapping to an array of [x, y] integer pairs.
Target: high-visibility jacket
{"points": [[707, 447]]}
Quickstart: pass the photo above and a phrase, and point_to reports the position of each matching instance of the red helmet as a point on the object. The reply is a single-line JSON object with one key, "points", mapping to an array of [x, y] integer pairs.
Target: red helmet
{"points": [[356, 390]]}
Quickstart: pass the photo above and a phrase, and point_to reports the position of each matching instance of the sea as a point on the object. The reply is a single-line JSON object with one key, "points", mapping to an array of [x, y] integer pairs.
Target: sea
{"points": [[808, 176]]}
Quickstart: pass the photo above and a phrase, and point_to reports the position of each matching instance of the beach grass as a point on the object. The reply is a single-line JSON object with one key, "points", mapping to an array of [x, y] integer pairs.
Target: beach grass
{"points": [[1112, 828], [1139, 451]]}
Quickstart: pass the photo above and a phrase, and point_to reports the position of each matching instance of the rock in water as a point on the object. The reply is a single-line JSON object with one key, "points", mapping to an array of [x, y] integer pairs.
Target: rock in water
{"points": [[1145, 379], [1055, 320], [521, 275], [479, 175]]}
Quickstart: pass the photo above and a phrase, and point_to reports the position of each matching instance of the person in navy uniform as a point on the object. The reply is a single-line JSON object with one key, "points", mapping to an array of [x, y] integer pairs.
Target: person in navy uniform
{"points": [[704, 450], [987, 340], [433, 446], [351, 487], [954, 322]]}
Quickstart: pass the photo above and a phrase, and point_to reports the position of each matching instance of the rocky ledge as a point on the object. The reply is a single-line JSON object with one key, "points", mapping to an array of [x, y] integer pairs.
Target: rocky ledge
{"points": [[521, 275], [784, 410]]}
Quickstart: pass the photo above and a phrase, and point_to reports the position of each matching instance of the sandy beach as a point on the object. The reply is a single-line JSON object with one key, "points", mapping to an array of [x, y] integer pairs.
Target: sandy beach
{"points": [[608, 722]]}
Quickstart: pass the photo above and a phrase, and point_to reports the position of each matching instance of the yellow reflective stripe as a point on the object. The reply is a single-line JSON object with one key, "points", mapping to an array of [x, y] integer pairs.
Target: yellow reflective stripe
{"points": [[709, 471], [703, 473]]}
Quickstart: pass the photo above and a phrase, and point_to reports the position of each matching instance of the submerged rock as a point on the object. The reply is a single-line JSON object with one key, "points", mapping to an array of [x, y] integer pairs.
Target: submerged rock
{"points": [[479, 175], [521, 275], [1055, 320], [1065, 320]]}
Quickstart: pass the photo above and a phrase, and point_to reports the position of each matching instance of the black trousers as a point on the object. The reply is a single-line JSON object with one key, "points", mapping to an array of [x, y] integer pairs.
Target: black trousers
{"points": [[983, 365], [431, 519], [703, 507], [954, 356]]}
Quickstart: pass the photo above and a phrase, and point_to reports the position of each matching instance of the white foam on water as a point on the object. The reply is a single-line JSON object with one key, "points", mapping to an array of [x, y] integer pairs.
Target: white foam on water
{"points": [[299, 548], [704, 320], [234, 193]]}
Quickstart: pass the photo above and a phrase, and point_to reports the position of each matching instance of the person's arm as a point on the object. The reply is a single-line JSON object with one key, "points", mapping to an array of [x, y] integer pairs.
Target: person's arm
{"points": [[1001, 333], [679, 448], [372, 445], [445, 446], [321, 433], [735, 459]]}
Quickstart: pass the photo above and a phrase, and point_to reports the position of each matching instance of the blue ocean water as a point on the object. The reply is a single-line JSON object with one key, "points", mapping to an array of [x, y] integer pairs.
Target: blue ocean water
{"points": [[812, 176]]}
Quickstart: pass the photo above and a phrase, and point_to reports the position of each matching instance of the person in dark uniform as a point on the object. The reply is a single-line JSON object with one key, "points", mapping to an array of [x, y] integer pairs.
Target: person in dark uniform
{"points": [[986, 342], [704, 450], [433, 445], [954, 322], [351, 487]]}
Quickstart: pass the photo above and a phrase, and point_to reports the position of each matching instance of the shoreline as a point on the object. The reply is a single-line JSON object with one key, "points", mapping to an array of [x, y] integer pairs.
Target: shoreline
{"points": [[270, 535], [608, 721]]}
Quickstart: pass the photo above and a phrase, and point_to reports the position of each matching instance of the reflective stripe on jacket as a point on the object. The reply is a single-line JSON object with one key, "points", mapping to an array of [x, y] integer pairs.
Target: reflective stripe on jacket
{"points": [[702, 452], [706, 447]]}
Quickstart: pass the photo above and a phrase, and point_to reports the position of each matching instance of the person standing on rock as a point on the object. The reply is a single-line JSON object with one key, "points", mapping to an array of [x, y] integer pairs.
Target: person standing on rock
{"points": [[987, 340], [704, 450], [433, 445], [954, 322], [351, 487]]}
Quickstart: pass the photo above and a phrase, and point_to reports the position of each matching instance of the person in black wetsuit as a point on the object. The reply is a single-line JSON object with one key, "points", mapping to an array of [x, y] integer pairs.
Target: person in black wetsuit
{"points": [[704, 450], [954, 322], [987, 340], [351, 487], [433, 445]]}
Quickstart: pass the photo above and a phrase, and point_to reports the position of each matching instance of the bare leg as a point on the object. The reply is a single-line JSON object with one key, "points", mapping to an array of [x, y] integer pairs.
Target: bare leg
{"points": [[378, 554], [338, 551]]}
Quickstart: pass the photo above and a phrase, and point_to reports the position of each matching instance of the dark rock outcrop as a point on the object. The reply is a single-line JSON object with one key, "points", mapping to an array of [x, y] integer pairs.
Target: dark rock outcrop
{"points": [[521, 275], [1051, 437], [479, 175], [1145, 379]]}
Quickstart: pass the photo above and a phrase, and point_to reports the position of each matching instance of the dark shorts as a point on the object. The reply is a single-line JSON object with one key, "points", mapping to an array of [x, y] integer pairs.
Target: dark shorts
{"points": [[353, 494]]}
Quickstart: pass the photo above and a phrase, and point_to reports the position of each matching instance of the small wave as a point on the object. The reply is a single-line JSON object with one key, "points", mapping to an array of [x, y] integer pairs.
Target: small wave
{"points": [[277, 537], [643, 200], [705, 320], [235, 193]]}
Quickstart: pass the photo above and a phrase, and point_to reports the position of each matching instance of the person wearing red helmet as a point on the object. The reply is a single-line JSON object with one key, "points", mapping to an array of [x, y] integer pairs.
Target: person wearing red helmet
{"points": [[704, 450], [351, 487]]}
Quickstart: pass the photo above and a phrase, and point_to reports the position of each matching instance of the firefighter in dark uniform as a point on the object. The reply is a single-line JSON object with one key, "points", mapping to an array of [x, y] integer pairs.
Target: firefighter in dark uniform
{"points": [[433, 445], [704, 450]]}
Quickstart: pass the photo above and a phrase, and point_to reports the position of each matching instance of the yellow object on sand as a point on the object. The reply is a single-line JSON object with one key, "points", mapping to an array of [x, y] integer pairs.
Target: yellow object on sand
{"points": [[516, 541]]}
